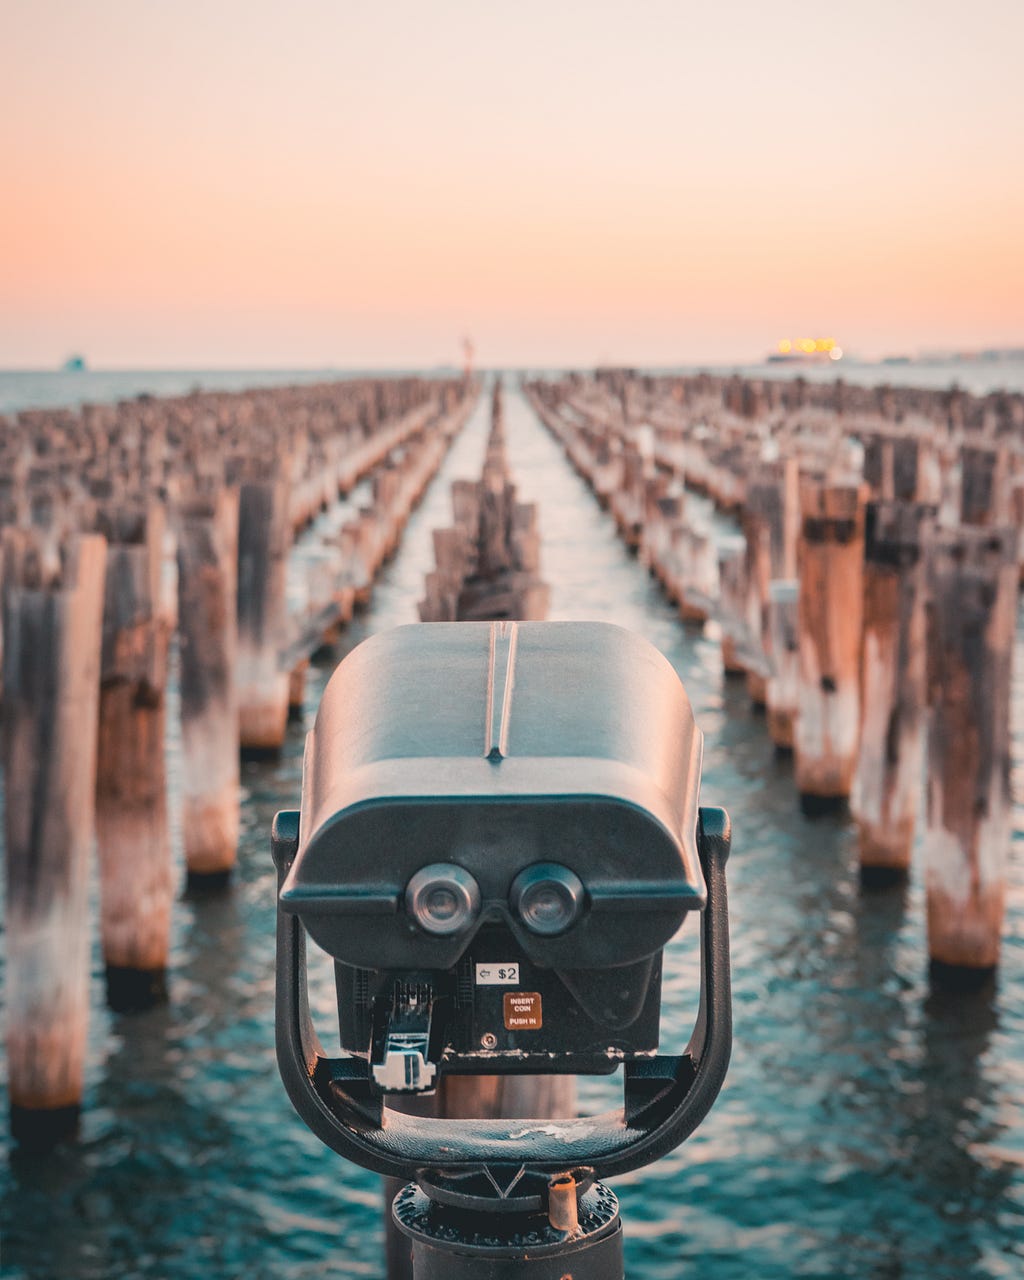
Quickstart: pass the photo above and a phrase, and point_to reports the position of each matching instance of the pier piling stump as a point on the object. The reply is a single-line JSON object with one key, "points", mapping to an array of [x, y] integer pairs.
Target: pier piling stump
{"points": [[132, 833], [830, 611], [698, 590], [732, 598], [887, 782], [264, 537], [297, 690], [771, 522], [971, 614], [908, 462], [52, 623], [208, 639], [782, 692], [984, 485], [878, 465]]}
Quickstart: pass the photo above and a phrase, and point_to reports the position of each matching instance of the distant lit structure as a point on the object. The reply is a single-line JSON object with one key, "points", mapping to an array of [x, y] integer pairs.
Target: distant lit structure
{"points": [[804, 350]]}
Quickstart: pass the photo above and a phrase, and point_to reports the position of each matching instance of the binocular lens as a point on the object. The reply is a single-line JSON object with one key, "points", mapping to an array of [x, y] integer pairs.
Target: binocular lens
{"points": [[442, 898], [547, 897]]}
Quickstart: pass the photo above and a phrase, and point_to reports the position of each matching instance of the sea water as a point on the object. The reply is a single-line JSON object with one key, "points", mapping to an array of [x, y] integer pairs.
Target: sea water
{"points": [[869, 1127]]}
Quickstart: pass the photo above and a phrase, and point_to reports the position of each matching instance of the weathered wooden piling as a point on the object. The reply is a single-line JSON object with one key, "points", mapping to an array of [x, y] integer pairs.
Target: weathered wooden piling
{"points": [[770, 520], [909, 479], [782, 689], [1016, 504], [830, 611], [698, 564], [132, 833], [984, 485], [972, 604], [878, 465], [888, 779], [453, 557], [52, 624], [508, 1097], [896, 467], [663, 508], [264, 537], [297, 690], [627, 500], [207, 551], [732, 599]]}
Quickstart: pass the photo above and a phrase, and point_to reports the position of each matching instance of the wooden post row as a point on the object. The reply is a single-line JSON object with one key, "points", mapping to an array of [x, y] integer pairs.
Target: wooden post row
{"points": [[264, 538], [984, 486], [830, 610], [972, 607], [770, 522], [782, 691], [132, 833], [495, 541], [890, 759], [207, 550], [52, 623], [732, 600]]}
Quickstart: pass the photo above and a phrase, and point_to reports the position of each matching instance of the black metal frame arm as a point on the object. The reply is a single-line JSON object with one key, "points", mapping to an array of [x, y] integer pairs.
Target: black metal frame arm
{"points": [[665, 1097]]}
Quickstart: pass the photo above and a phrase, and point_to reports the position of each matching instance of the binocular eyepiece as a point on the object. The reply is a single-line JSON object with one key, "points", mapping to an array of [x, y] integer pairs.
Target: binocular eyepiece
{"points": [[498, 834], [445, 899]]}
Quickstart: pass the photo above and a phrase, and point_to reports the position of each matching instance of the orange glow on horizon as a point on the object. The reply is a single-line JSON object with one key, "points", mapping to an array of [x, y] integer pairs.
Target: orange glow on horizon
{"points": [[249, 197]]}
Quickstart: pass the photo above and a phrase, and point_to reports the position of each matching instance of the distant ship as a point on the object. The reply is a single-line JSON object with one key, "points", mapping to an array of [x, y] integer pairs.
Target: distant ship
{"points": [[74, 364], [806, 351]]}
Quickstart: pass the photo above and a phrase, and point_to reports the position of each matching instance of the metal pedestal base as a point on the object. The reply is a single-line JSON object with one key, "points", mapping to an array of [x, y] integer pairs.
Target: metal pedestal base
{"points": [[458, 1244]]}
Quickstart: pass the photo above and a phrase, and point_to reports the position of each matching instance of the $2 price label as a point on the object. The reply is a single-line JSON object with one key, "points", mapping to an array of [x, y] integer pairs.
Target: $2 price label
{"points": [[497, 975]]}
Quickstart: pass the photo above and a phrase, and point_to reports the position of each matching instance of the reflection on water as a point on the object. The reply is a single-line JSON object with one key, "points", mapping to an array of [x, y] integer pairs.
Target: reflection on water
{"points": [[867, 1129]]}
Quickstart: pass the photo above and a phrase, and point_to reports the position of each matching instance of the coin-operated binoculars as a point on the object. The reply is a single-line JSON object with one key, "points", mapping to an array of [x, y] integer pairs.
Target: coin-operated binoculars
{"points": [[499, 833]]}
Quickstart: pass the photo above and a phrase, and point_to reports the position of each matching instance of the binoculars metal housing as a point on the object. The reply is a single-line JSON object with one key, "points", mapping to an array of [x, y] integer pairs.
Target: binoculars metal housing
{"points": [[498, 834]]}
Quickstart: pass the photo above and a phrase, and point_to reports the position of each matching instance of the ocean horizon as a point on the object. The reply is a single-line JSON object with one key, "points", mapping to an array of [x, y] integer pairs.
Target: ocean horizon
{"points": [[62, 388]]}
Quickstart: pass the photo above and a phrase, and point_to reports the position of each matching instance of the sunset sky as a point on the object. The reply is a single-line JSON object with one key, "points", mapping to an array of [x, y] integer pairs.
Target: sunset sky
{"points": [[323, 183]]}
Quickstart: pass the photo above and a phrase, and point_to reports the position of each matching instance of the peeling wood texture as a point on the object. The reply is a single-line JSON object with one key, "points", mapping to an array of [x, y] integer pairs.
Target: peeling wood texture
{"points": [[52, 622], [133, 838], [782, 692], [971, 617], [264, 538], [830, 610], [888, 781], [896, 467], [732, 598], [207, 557], [770, 522], [984, 485]]}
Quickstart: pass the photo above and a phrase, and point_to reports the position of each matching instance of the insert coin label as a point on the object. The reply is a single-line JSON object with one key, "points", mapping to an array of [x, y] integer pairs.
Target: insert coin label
{"points": [[523, 1011]]}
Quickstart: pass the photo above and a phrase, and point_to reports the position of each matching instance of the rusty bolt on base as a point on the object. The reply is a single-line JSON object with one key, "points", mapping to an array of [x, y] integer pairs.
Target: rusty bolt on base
{"points": [[563, 1211]]}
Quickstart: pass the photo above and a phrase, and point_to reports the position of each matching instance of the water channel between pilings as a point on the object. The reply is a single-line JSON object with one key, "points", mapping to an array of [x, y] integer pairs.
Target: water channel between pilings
{"points": [[869, 1127]]}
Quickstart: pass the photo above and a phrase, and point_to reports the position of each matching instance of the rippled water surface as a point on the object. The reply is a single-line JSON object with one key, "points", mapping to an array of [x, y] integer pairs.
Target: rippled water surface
{"points": [[868, 1128]]}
